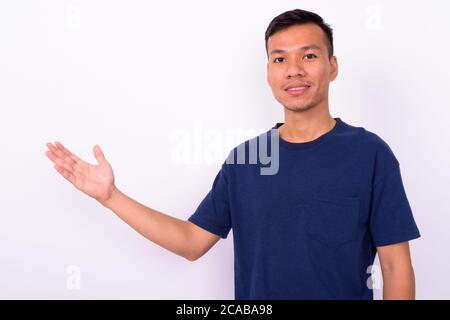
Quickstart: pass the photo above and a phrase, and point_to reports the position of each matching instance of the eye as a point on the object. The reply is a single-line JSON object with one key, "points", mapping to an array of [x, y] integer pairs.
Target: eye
{"points": [[275, 60], [310, 56]]}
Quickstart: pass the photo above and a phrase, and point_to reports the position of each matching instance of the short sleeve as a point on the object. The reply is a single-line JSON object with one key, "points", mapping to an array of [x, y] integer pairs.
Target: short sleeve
{"points": [[391, 219], [213, 213]]}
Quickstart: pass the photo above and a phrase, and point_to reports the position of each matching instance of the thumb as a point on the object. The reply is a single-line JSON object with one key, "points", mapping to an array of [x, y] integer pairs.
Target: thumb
{"points": [[98, 153]]}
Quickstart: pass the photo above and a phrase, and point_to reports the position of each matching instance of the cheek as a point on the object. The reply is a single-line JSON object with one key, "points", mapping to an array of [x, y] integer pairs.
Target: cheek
{"points": [[274, 78], [317, 70], [321, 76]]}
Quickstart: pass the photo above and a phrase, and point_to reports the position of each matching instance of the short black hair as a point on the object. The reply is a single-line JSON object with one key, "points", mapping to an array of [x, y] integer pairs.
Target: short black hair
{"points": [[298, 17]]}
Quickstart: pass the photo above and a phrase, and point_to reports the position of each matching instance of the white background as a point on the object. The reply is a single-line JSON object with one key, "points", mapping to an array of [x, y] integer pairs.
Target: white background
{"points": [[131, 75]]}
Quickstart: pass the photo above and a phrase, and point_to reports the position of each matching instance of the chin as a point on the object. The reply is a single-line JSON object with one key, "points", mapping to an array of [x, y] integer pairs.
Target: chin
{"points": [[299, 106]]}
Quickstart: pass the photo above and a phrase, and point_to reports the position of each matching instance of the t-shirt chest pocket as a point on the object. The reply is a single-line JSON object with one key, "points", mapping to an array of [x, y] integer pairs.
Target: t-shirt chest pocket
{"points": [[333, 220]]}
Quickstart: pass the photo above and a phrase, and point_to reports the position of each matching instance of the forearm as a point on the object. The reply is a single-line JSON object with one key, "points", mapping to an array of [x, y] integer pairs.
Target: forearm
{"points": [[399, 283], [166, 231]]}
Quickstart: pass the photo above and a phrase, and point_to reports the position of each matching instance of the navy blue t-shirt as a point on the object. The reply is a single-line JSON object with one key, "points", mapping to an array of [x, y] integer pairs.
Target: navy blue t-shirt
{"points": [[310, 231]]}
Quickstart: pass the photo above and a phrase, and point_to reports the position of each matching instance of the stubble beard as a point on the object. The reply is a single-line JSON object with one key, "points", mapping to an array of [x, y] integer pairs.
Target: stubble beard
{"points": [[303, 106]]}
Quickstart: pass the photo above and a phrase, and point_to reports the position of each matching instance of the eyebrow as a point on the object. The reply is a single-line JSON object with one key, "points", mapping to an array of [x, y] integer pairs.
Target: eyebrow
{"points": [[304, 48]]}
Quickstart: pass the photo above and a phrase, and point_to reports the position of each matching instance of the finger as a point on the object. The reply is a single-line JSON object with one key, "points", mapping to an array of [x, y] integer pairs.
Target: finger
{"points": [[66, 151], [98, 153], [59, 161], [57, 157], [60, 153], [51, 155], [66, 174], [77, 167], [76, 163]]}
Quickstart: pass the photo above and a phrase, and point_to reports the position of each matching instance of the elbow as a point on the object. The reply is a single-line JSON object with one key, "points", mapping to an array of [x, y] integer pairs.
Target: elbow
{"points": [[191, 259], [191, 256]]}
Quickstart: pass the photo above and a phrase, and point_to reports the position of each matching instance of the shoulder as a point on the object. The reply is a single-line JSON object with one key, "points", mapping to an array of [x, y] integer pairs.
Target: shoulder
{"points": [[379, 146], [382, 157], [368, 140], [375, 151]]}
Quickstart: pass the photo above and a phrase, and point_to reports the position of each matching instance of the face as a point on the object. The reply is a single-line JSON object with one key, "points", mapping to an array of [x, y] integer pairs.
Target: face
{"points": [[298, 58]]}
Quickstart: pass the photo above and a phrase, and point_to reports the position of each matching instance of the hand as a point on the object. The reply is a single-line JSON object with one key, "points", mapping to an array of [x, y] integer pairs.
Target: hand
{"points": [[97, 181]]}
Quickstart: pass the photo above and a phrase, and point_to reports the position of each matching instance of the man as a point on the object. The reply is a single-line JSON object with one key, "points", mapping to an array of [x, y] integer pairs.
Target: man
{"points": [[312, 229]]}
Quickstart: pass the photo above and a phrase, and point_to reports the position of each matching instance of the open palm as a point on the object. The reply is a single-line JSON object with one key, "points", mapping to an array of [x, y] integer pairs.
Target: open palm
{"points": [[96, 181]]}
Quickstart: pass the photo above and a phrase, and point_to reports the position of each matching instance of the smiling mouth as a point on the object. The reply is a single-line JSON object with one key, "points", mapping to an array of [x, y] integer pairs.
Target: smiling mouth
{"points": [[296, 91]]}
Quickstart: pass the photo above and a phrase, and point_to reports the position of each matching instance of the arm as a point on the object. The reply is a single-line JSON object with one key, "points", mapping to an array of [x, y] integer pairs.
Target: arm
{"points": [[179, 236], [398, 273], [97, 181]]}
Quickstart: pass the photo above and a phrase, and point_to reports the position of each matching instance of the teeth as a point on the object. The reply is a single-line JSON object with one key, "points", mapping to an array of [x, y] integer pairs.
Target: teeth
{"points": [[297, 88]]}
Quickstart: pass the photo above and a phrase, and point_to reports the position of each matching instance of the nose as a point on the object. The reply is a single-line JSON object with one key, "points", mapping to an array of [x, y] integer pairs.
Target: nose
{"points": [[295, 69]]}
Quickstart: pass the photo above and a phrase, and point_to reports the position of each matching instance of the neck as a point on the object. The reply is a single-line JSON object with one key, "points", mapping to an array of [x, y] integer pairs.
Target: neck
{"points": [[306, 126]]}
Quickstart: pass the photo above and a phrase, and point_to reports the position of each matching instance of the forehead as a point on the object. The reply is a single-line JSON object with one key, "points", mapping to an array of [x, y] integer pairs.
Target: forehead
{"points": [[297, 35]]}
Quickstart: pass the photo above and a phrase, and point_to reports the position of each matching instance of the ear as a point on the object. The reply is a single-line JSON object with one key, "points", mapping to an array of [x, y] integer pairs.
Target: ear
{"points": [[334, 68]]}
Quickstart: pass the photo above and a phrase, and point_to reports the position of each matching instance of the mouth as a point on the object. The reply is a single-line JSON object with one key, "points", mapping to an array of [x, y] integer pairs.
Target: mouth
{"points": [[297, 89]]}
